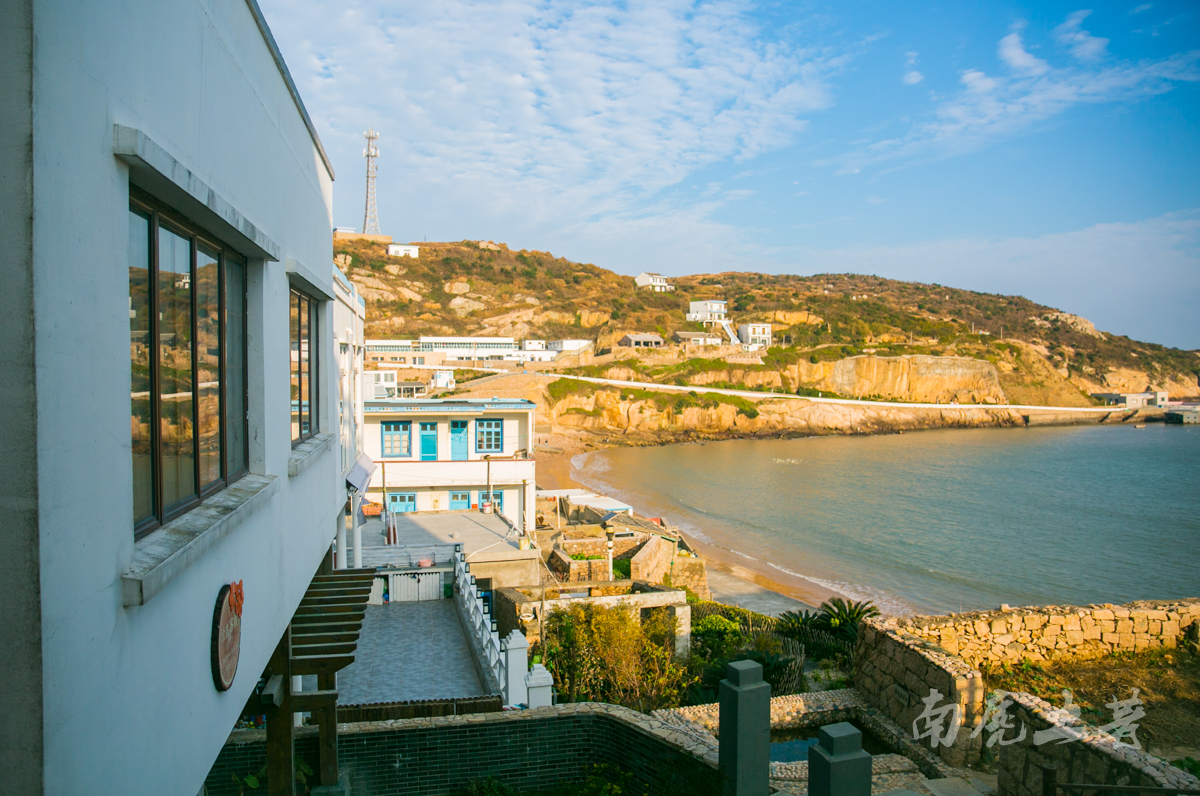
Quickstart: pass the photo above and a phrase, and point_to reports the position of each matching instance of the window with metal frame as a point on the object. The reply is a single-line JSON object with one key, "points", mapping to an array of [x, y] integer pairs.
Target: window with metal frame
{"points": [[397, 439], [305, 376], [187, 345], [489, 436]]}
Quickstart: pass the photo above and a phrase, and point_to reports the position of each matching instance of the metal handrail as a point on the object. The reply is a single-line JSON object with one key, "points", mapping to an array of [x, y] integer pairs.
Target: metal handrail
{"points": [[1051, 786]]}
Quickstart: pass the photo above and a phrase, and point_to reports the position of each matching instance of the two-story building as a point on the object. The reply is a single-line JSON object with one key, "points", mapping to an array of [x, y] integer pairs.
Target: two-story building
{"points": [[453, 455], [166, 211], [656, 282], [1133, 400], [710, 312], [755, 335]]}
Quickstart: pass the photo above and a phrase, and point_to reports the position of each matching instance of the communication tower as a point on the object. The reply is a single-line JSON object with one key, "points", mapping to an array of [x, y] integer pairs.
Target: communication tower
{"points": [[371, 215]]}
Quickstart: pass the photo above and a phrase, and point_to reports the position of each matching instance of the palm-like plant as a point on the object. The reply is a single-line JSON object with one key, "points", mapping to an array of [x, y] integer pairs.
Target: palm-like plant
{"points": [[794, 624], [842, 616]]}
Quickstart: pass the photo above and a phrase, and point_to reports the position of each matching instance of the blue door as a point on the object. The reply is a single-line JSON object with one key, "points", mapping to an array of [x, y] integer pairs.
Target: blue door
{"points": [[460, 500], [402, 502], [429, 442], [497, 500], [458, 441]]}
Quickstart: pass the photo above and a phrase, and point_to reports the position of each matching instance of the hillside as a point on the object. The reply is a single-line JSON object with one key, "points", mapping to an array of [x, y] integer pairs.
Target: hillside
{"points": [[1041, 355]]}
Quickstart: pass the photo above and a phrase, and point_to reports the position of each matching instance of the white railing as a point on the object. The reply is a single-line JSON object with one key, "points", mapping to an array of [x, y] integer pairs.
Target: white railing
{"points": [[480, 623]]}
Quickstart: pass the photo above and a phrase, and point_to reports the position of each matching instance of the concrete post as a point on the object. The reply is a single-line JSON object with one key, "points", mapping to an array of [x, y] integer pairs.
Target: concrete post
{"points": [[744, 755], [609, 545], [837, 764], [539, 684], [355, 506], [683, 629], [516, 665], [342, 559]]}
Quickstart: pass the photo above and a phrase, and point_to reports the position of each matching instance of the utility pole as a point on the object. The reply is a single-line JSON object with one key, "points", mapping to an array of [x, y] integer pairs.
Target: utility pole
{"points": [[371, 214]]}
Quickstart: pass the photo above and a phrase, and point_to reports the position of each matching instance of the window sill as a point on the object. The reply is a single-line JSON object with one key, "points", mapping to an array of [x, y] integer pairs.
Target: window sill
{"points": [[306, 453], [164, 554]]}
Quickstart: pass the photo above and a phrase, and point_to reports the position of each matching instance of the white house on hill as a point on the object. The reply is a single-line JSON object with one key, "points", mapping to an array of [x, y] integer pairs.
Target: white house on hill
{"points": [[656, 282]]}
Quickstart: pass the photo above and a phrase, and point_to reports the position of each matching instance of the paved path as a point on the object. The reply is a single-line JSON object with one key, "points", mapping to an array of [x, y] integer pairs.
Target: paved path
{"points": [[409, 651], [643, 385]]}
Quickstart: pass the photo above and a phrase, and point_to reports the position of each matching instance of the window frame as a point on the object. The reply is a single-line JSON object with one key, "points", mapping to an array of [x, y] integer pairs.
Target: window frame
{"points": [[384, 433], [158, 216], [313, 372], [480, 430]]}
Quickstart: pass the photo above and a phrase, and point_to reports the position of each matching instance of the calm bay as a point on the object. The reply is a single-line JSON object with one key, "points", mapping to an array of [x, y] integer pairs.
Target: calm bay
{"points": [[938, 521]]}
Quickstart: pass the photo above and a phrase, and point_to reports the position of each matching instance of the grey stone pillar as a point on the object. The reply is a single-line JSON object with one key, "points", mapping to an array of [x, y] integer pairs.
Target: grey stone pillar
{"points": [[745, 729], [837, 764]]}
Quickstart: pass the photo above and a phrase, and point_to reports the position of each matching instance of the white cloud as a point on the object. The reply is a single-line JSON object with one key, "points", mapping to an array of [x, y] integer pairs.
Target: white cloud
{"points": [[536, 115], [990, 107], [1084, 45], [911, 76], [1112, 274], [1012, 52], [1141, 8]]}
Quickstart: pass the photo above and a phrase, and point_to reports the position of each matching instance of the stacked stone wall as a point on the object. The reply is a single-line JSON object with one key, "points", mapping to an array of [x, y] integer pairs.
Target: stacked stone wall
{"points": [[900, 662], [895, 671], [650, 562], [690, 572], [1092, 758], [1047, 632]]}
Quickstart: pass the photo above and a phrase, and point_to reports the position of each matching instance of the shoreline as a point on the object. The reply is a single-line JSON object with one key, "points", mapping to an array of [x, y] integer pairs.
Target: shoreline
{"points": [[555, 472]]}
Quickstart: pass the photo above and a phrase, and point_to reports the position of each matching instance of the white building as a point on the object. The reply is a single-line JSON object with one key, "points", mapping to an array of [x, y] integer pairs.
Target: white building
{"points": [[568, 345], [402, 250], [169, 138], [697, 338], [442, 380], [442, 454], [755, 335], [1132, 400], [533, 345], [708, 312], [656, 282], [349, 315]]}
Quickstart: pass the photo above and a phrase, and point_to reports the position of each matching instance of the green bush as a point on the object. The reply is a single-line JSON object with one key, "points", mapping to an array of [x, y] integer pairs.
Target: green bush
{"points": [[715, 637]]}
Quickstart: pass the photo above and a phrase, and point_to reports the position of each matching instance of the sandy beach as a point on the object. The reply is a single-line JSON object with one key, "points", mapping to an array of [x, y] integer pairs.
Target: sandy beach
{"points": [[730, 579]]}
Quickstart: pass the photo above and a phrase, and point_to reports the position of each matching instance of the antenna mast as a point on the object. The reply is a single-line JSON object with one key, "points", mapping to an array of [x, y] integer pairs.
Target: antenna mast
{"points": [[371, 215]]}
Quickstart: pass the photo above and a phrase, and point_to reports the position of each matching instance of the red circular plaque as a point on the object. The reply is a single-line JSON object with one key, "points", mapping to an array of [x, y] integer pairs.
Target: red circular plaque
{"points": [[226, 635]]}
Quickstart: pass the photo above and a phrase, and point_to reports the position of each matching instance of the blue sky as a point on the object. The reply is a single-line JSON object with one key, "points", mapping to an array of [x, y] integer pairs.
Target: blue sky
{"points": [[1049, 150]]}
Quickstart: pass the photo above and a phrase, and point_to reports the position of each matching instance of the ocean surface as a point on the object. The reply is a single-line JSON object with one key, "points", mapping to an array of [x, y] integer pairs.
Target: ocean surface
{"points": [[938, 520]]}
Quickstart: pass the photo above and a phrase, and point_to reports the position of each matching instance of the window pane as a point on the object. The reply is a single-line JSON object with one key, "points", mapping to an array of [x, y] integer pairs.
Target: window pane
{"points": [[305, 429], [295, 353], [314, 422], [175, 368], [140, 420], [208, 364], [235, 366]]}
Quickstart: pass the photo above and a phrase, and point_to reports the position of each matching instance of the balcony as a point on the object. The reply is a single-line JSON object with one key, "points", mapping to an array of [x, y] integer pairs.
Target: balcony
{"points": [[413, 472]]}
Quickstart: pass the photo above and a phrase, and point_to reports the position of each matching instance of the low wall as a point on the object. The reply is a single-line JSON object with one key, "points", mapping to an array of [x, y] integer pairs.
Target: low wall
{"points": [[651, 561], [515, 609], [895, 671], [1094, 758], [689, 571], [531, 750], [899, 662], [420, 708], [570, 569], [1057, 631]]}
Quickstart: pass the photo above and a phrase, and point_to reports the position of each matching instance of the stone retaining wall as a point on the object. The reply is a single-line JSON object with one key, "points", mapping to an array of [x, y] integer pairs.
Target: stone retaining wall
{"points": [[1045, 632], [530, 750], [651, 561], [1091, 758], [900, 662], [895, 670]]}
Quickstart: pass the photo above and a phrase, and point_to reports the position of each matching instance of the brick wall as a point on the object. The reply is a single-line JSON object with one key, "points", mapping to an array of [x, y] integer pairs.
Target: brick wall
{"points": [[527, 750]]}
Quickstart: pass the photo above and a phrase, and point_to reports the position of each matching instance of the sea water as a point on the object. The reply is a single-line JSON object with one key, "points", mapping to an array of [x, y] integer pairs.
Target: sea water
{"points": [[942, 520]]}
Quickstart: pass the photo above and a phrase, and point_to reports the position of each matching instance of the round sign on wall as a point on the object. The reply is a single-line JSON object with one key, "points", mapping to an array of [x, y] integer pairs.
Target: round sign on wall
{"points": [[227, 634]]}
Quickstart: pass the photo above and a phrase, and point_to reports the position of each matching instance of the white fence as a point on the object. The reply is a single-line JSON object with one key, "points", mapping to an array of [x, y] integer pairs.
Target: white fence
{"points": [[507, 660]]}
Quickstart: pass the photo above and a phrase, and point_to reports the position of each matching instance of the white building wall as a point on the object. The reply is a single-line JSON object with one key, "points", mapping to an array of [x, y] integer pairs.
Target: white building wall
{"points": [[128, 697]]}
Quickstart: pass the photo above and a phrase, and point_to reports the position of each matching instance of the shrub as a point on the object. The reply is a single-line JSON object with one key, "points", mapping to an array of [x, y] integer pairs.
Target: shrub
{"points": [[715, 637]]}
